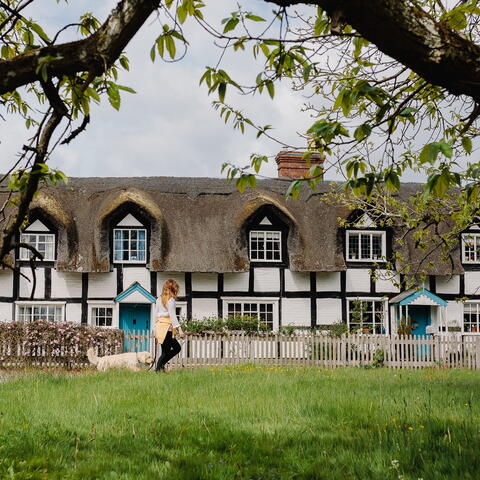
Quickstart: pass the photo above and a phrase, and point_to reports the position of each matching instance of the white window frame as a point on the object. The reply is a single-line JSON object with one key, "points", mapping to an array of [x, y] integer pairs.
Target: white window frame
{"points": [[242, 300], [92, 318], [470, 302], [264, 232], [141, 262], [183, 309], [382, 233], [24, 254], [40, 304], [476, 238], [385, 323], [103, 304]]}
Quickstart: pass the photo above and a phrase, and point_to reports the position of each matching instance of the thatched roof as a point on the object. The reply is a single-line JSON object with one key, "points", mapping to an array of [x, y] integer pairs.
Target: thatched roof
{"points": [[195, 223]]}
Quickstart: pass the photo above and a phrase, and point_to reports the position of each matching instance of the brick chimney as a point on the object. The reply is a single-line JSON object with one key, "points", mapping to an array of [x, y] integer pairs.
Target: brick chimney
{"points": [[291, 164]]}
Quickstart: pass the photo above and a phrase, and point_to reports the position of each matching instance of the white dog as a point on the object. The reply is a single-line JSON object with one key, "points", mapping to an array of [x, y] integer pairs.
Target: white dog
{"points": [[122, 360]]}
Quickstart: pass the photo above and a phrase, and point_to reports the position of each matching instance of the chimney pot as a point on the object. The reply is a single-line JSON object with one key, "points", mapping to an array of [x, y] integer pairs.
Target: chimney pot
{"points": [[291, 164]]}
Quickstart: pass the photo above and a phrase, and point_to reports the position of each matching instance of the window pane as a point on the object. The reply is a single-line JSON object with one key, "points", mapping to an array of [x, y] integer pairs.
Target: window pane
{"points": [[353, 246]]}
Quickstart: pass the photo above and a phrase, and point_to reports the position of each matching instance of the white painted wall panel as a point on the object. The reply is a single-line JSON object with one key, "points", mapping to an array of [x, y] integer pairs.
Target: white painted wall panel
{"points": [[236, 282], [448, 284], [6, 283], [204, 282], [328, 281], [5, 312], [472, 283], [73, 312], [329, 311], [140, 275], [297, 281], [266, 280], [66, 284], [26, 286], [454, 313], [358, 280], [204, 307], [102, 285], [177, 276], [296, 311], [387, 282]]}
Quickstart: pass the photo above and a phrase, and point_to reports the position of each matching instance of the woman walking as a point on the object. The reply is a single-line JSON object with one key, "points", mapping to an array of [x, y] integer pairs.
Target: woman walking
{"points": [[167, 325]]}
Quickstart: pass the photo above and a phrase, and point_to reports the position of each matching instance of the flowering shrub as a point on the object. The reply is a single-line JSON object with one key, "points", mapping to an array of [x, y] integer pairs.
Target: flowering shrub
{"points": [[59, 342]]}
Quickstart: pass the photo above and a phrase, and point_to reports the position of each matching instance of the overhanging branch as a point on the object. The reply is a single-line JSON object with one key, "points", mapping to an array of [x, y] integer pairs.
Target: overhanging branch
{"points": [[413, 37], [95, 53]]}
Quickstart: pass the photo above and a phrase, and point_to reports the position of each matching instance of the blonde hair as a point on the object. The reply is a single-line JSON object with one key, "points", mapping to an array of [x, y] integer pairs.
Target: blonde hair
{"points": [[169, 290]]}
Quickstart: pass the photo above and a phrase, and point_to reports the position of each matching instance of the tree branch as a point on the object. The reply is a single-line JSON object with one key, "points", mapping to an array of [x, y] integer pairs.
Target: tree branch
{"points": [[95, 53], [413, 37]]}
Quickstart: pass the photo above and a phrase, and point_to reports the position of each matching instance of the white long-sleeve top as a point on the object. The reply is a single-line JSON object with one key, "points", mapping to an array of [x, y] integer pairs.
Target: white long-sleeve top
{"points": [[168, 311]]}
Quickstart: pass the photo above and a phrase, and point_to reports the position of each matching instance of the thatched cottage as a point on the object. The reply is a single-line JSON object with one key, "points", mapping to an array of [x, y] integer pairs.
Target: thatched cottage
{"points": [[109, 243]]}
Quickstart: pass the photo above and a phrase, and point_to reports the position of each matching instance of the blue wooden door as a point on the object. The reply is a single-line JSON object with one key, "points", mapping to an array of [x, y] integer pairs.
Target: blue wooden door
{"points": [[420, 315], [135, 316]]}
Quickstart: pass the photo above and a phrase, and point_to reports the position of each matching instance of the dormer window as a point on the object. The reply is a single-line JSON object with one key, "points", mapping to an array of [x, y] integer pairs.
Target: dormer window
{"points": [[40, 237], [365, 246], [471, 247], [265, 246], [129, 241], [365, 243]]}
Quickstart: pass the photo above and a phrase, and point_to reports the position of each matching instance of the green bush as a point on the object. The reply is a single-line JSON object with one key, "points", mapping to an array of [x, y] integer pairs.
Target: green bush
{"points": [[338, 329], [220, 325]]}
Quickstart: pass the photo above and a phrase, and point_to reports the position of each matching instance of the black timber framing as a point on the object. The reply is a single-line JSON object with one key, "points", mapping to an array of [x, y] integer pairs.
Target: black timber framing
{"points": [[84, 318]]}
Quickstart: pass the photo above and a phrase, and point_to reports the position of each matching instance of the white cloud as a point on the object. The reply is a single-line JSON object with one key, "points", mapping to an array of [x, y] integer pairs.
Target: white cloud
{"points": [[168, 127]]}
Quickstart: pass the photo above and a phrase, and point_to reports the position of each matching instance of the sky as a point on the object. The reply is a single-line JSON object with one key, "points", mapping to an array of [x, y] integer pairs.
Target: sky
{"points": [[169, 126]]}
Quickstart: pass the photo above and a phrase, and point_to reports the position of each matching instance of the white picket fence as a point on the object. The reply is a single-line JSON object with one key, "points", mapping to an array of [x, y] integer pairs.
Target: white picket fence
{"points": [[319, 350]]}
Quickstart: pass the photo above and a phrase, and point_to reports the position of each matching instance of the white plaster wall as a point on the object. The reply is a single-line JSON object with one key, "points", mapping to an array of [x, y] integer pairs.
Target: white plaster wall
{"points": [[297, 281], [177, 276], [102, 285], [328, 281], [6, 283], [204, 282], [26, 286], [73, 312], [66, 285], [296, 311], [448, 284], [204, 307], [266, 280], [454, 313], [140, 275], [329, 311], [472, 283], [5, 312], [236, 282], [385, 282], [358, 280]]}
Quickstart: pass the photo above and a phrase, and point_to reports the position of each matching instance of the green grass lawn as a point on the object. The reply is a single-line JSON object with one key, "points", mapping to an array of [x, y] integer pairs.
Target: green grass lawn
{"points": [[244, 422]]}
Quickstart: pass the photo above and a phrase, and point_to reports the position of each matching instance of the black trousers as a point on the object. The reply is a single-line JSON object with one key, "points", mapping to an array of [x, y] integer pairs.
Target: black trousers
{"points": [[170, 348]]}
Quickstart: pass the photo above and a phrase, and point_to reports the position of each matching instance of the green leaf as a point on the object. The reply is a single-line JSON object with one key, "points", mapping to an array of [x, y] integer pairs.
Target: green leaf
{"points": [[231, 24], [254, 18], [361, 132], [170, 45], [456, 19], [270, 88], [39, 31], [222, 88], [294, 189], [446, 149], [467, 144], [429, 153]]}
